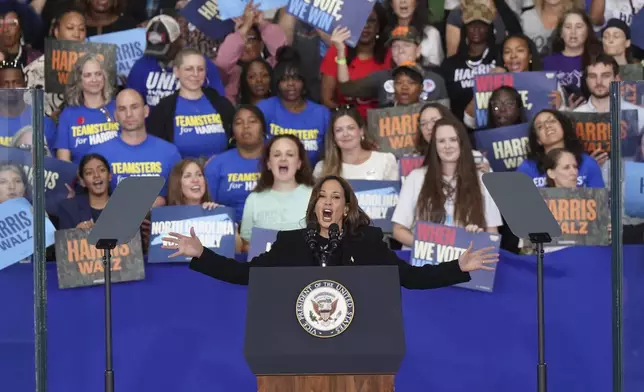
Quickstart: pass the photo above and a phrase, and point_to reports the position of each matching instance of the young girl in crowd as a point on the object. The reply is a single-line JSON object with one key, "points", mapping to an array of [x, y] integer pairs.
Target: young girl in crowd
{"points": [[283, 190], [551, 129], [428, 115], [83, 210], [448, 188], [290, 111], [90, 107], [573, 45], [13, 182], [351, 153], [233, 175], [187, 185]]}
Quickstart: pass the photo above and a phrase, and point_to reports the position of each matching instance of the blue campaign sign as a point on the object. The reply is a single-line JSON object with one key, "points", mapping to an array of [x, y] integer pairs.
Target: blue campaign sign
{"points": [[378, 199], [637, 29], [327, 14], [534, 88], [58, 175], [260, 241], [214, 228], [130, 45], [634, 189], [205, 15], [17, 238], [435, 243], [234, 8], [505, 148]]}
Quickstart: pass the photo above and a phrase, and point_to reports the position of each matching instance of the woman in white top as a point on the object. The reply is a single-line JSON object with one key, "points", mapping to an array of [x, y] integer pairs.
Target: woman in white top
{"points": [[447, 190], [350, 152], [282, 194], [429, 115]]}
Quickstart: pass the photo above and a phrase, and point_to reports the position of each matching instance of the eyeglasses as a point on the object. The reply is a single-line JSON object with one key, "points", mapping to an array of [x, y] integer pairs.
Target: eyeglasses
{"points": [[344, 108]]}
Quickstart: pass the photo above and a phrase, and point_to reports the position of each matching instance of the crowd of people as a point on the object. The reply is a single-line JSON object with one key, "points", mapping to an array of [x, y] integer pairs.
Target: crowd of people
{"points": [[251, 120]]}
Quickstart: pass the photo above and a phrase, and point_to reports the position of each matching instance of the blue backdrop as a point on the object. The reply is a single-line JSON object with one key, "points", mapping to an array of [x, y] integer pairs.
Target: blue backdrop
{"points": [[180, 331]]}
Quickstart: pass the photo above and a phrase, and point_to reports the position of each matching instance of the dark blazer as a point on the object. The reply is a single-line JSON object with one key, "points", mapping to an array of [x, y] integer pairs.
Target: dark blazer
{"points": [[161, 120], [365, 248], [73, 211]]}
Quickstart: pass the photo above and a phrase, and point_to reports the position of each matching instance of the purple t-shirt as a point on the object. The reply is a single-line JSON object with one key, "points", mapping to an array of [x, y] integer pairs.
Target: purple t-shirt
{"points": [[568, 69]]}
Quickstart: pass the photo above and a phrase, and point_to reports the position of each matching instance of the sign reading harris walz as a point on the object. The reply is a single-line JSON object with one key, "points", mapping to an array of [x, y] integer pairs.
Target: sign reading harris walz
{"points": [[435, 243], [505, 148], [378, 199], [594, 130], [80, 264], [215, 229], [61, 56], [582, 213], [395, 128], [326, 15]]}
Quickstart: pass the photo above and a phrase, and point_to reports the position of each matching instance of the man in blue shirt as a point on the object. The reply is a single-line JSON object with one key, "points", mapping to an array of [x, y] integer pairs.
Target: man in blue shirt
{"points": [[135, 152], [152, 75]]}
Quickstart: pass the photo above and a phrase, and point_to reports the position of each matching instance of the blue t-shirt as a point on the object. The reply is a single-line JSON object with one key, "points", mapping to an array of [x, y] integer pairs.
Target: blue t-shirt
{"points": [[231, 178], [198, 129], [153, 157], [590, 174], [9, 126], [153, 83], [309, 126], [81, 128]]}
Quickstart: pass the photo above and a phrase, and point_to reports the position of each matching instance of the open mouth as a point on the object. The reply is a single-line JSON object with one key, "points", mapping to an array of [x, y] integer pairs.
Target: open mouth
{"points": [[283, 169], [98, 183], [327, 213], [514, 67], [195, 188]]}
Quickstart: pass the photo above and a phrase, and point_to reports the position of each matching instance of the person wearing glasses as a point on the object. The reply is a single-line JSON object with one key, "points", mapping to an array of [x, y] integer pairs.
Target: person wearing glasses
{"points": [[88, 119]]}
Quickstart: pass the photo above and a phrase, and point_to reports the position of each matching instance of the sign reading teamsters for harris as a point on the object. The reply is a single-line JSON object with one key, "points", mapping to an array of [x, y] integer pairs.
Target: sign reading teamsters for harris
{"points": [[326, 15]]}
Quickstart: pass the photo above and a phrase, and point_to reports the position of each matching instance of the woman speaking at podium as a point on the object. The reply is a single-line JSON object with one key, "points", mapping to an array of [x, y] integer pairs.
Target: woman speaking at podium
{"points": [[338, 234]]}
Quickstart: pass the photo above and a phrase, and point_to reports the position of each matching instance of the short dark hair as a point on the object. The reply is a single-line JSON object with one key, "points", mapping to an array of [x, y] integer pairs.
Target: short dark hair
{"points": [[605, 59]]}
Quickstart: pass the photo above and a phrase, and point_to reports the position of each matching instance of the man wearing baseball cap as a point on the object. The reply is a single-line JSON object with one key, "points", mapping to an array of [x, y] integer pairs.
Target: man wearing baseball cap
{"points": [[408, 83], [405, 48], [152, 75]]}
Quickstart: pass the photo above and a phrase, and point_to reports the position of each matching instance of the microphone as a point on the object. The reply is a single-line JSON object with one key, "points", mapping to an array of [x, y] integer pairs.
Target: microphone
{"points": [[311, 237], [334, 237]]}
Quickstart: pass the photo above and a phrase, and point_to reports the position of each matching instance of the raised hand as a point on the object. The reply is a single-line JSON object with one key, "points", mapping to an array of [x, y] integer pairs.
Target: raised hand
{"points": [[184, 245], [478, 260], [339, 35]]}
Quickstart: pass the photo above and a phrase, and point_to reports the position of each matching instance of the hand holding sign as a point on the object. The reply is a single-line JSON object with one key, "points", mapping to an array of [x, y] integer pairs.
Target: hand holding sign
{"points": [[478, 260], [185, 246]]}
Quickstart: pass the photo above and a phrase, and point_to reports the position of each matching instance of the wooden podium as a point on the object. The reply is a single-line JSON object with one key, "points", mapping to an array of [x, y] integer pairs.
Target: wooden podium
{"points": [[326, 383], [290, 349]]}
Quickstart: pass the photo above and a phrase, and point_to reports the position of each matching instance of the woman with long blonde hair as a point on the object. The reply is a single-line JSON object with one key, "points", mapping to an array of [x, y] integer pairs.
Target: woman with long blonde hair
{"points": [[350, 151], [88, 120]]}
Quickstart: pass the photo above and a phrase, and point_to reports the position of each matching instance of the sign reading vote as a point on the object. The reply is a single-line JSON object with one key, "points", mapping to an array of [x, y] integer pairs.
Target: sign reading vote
{"points": [[327, 14], [261, 241], [534, 88], [130, 45], [395, 128], [378, 199], [505, 148], [435, 243], [407, 164], [80, 264], [214, 228], [594, 130], [58, 175], [17, 231], [61, 56], [206, 17], [634, 189], [582, 213]]}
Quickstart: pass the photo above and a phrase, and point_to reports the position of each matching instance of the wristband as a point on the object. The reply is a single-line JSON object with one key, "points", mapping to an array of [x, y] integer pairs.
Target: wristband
{"points": [[340, 61]]}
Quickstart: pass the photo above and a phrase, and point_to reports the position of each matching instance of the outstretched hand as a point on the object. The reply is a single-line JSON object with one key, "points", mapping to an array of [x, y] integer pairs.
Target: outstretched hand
{"points": [[184, 245], [478, 260]]}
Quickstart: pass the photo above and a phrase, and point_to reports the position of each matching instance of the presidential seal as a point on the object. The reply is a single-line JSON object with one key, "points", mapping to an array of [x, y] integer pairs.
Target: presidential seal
{"points": [[325, 308]]}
